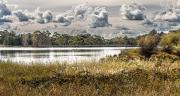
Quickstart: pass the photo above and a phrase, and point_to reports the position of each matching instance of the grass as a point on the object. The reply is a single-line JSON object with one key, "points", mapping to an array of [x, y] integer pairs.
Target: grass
{"points": [[123, 75]]}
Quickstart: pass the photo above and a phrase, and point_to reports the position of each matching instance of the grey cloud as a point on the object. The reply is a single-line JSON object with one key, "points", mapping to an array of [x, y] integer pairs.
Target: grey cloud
{"points": [[21, 15], [63, 20], [47, 15], [4, 10]]}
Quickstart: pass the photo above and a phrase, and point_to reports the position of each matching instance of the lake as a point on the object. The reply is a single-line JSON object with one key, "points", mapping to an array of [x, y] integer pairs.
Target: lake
{"points": [[28, 55]]}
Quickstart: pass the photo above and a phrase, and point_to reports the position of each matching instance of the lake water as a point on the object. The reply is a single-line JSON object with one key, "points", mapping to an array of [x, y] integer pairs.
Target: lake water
{"points": [[27, 55]]}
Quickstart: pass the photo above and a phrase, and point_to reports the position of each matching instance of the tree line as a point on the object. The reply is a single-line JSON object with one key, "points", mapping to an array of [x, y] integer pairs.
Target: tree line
{"points": [[46, 38]]}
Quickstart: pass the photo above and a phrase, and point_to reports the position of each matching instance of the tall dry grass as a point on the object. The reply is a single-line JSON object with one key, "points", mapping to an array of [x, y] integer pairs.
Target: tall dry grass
{"points": [[124, 75]]}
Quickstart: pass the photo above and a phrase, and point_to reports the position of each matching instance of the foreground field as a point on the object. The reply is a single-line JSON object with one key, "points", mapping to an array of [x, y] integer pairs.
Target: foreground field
{"points": [[113, 76]]}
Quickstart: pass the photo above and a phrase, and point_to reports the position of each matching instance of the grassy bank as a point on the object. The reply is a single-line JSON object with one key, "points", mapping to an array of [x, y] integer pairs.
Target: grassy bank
{"points": [[124, 75]]}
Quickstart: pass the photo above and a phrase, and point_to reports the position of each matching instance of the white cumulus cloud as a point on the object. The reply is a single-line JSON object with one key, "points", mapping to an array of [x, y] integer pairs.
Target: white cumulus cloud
{"points": [[99, 18], [96, 17], [171, 15], [81, 11], [132, 12], [42, 17]]}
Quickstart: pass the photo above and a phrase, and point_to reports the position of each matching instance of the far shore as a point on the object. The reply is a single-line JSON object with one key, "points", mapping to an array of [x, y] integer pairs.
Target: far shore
{"points": [[72, 46]]}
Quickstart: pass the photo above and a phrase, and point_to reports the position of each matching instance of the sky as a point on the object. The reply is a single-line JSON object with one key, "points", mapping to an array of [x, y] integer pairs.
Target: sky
{"points": [[53, 3], [117, 18]]}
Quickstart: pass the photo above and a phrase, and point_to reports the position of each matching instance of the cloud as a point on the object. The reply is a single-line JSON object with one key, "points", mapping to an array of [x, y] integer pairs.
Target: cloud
{"points": [[4, 10], [21, 15], [171, 15], [81, 11], [163, 26], [47, 15], [4, 26], [159, 25], [37, 16], [121, 28], [132, 12], [164, 20], [42, 17], [149, 22], [99, 18], [5, 16], [96, 17], [63, 20]]}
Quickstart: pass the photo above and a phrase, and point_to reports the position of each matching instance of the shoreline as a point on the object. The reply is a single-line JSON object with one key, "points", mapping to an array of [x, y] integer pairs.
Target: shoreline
{"points": [[73, 46]]}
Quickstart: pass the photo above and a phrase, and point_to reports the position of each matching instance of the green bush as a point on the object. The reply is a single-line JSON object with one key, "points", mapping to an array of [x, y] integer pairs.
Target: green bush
{"points": [[170, 43]]}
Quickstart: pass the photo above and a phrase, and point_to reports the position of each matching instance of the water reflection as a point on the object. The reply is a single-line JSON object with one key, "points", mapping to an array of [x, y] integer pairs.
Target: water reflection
{"points": [[50, 55]]}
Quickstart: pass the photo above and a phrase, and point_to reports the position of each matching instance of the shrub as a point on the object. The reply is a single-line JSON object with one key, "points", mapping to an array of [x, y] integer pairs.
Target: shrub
{"points": [[170, 43], [148, 44]]}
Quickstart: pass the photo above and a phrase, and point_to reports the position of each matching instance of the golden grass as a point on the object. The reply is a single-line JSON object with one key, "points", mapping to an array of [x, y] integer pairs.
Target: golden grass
{"points": [[114, 76]]}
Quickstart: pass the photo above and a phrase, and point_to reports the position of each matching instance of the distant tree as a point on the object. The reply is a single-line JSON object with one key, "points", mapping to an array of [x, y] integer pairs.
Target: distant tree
{"points": [[9, 38], [45, 38], [123, 41], [3, 34], [19, 39], [41, 38], [54, 38], [27, 39], [99, 40], [36, 38], [76, 40], [58, 39]]}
